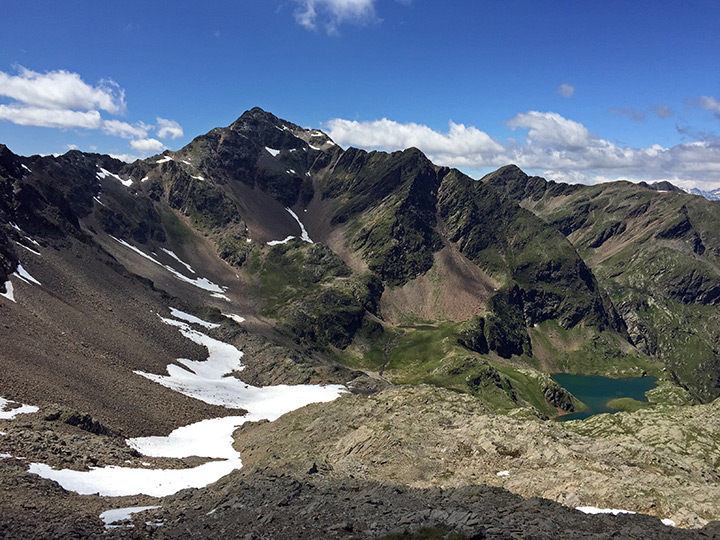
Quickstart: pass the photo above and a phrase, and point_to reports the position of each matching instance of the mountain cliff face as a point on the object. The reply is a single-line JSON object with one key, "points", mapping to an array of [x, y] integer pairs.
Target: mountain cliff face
{"points": [[342, 266]]}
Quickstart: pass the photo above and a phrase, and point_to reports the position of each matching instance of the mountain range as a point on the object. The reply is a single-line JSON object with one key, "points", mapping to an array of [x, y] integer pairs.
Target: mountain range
{"points": [[413, 286]]}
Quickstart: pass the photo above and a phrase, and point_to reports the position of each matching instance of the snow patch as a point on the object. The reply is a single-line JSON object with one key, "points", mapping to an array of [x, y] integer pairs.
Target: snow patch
{"points": [[24, 275], [27, 248], [192, 319], [211, 381], [98, 201], [9, 414], [198, 178], [164, 160], [178, 259], [110, 517], [201, 283], [669, 522], [145, 179], [221, 297], [26, 168], [291, 171], [595, 510], [208, 381], [278, 242], [5, 456], [503, 473], [272, 151], [105, 173], [9, 291], [304, 235], [237, 318]]}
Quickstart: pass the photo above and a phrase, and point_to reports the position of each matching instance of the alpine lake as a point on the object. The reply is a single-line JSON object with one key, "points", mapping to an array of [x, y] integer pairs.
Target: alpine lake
{"points": [[596, 392]]}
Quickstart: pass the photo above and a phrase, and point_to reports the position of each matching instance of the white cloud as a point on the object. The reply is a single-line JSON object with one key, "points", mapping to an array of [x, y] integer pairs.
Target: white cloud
{"points": [[463, 143], [148, 146], [61, 90], [551, 129], [124, 130], [62, 100], [554, 146], [52, 118], [332, 13], [168, 129], [127, 158], [566, 90]]}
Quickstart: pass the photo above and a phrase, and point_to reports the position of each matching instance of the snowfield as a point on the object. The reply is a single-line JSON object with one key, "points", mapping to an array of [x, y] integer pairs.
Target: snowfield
{"points": [[210, 381]]}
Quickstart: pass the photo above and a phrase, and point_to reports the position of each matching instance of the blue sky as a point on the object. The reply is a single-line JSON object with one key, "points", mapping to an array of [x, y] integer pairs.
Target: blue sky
{"points": [[574, 91]]}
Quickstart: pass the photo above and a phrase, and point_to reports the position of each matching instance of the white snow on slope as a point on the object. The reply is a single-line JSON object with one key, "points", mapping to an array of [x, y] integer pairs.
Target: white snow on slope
{"points": [[208, 381], [21, 274], [178, 259], [202, 283], [29, 249], [9, 414], [9, 294], [237, 318], [595, 510], [26, 168], [304, 236], [278, 242], [272, 151], [104, 173], [110, 517], [191, 318], [211, 438], [24, 275], [164, 160]]}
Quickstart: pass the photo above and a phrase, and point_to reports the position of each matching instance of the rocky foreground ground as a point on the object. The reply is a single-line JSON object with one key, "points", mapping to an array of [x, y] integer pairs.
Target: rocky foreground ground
{"points": [[413, 462]]}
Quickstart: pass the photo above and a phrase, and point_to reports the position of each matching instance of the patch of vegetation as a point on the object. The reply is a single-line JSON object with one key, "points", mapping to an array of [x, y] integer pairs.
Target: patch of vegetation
{"points": [[584, 351], [204, 203], [627, 404], [311, 292], [134, 218], [233, 248]]}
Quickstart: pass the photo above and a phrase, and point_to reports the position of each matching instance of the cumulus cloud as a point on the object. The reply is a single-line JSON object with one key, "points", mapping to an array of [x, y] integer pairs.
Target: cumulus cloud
{"points": [[168, 129], [332, 13], [554, 146], [566, 90], [61, 99], [124, 130], [52, 118], [459, 145], [148, 146], [61, 90]]}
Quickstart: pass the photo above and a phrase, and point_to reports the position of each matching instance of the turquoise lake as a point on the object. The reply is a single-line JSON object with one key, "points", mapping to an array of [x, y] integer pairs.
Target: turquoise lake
{"points": [[595, 391]]}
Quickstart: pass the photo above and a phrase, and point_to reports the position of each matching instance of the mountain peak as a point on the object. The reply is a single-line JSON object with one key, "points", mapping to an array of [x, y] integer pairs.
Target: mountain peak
{"points": [[507, 173]]}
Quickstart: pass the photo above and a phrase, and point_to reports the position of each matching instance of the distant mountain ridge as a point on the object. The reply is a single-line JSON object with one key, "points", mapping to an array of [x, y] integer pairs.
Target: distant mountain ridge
{"points": [[507, 265]]}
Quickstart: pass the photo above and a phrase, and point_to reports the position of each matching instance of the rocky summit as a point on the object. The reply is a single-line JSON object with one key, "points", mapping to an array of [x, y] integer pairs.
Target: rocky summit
{"points": [[265, 335]]}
